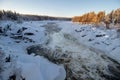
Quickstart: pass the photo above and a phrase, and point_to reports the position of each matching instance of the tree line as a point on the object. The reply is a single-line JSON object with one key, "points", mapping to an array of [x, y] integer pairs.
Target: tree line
{"points": [[10, 15], [5, 15], [96, 18]]}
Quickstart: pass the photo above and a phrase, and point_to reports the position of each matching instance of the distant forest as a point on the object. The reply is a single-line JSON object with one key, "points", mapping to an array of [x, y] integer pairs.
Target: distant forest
{"points": [[9, 15], [88, 18], [93, 18]]}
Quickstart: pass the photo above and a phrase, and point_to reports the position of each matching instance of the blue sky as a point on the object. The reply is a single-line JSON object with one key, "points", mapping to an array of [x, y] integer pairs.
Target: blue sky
{"points": [[66, 8]]}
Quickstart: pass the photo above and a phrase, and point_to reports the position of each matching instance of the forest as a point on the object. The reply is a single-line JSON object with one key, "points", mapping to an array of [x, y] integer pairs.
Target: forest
{"points": [[10, 15], [96, 18]]}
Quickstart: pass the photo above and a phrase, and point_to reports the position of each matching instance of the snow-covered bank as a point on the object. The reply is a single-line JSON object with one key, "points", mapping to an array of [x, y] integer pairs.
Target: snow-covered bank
{"points": [[84, 61], [105, 40], [31, 67], [14, 39], [83, 50]]}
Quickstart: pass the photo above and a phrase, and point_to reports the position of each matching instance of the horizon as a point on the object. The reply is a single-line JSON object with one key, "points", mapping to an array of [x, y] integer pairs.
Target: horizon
{"points": [[59, 8]]}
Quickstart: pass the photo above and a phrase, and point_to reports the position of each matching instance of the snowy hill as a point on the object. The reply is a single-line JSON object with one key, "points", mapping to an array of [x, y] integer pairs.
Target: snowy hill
{"points": [[55, 50]]}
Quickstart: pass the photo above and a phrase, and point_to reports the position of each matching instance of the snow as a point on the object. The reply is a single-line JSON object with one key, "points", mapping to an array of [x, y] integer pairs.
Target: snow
{"points": [[81, 41], [38, 68], [105, 43], [30, 67]]}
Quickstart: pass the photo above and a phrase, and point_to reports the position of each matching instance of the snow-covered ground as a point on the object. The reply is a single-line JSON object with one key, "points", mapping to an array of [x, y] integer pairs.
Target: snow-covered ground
{"points": [[105, 40], [24, 66], [82, 44]]}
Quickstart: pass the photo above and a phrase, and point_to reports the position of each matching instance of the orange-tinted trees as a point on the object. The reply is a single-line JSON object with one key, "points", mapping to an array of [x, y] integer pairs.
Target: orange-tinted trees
{"points": [[100, 16], [93, 18]]}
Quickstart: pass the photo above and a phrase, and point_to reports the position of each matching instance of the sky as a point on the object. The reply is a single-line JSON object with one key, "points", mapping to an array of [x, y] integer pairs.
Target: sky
{"points": [[60, 8]]}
